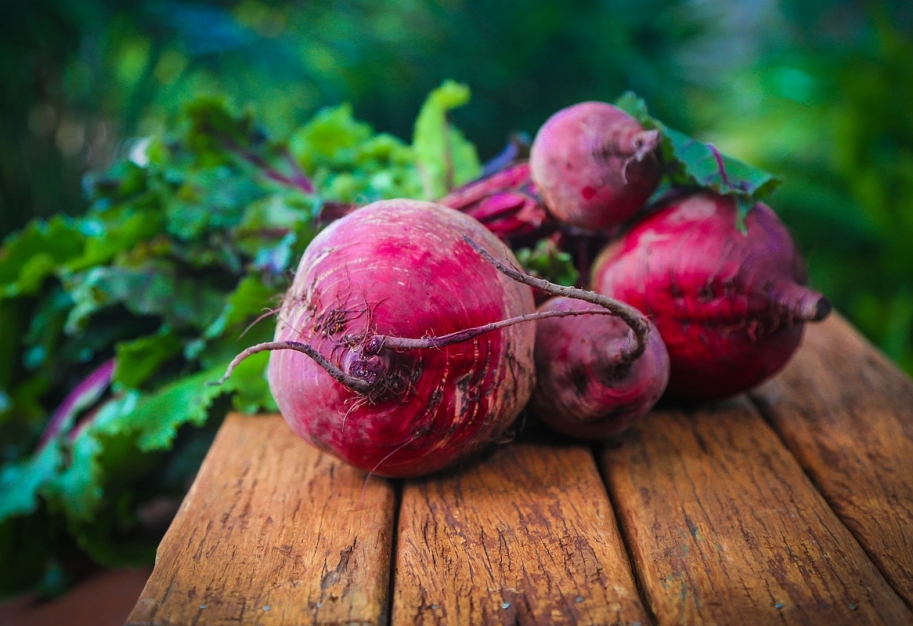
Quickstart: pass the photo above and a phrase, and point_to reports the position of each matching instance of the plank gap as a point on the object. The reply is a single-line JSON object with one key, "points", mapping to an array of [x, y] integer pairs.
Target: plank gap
{"points": [[599, 450], [394, 541]]}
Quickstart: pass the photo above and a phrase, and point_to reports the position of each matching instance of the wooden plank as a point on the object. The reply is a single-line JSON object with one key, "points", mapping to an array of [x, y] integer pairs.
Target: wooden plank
{"points": [[273, 532], [846, 413], [528, 537], [725, 528]]}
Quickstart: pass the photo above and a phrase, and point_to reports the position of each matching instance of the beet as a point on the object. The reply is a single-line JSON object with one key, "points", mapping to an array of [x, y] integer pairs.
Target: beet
{"points": [[594, 165], [730, 305], [587, 384], [356, 368]]}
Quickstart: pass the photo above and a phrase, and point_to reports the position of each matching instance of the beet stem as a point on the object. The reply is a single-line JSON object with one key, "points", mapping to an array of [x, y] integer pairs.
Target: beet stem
{"points": [[631, 316], [355, 384], [379, 342]]}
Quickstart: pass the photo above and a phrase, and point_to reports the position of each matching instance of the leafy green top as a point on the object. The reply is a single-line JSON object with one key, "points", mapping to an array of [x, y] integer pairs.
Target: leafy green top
{"points": [[173, 270], [692, 163]]}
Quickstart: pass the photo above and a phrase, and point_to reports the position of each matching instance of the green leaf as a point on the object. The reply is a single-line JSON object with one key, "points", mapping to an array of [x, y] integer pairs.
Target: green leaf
{"points": [[209, 200], [330, 138], [252, 393], [213, 127], [274, 231], [547, 261], [28, 257], [139, 359], [103, 449], [156, 288], [21, 482], [157, 417], [692, 163], [115, 447], [118, 232], [251, 300], [446, 159]]}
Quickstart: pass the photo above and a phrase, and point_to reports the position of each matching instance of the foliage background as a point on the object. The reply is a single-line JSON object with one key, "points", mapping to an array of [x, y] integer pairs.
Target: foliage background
{"points": [[816, 91]]}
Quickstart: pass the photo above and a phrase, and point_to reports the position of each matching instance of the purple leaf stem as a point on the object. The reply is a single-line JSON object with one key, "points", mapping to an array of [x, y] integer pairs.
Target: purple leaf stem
{"points": [[86, 393]]}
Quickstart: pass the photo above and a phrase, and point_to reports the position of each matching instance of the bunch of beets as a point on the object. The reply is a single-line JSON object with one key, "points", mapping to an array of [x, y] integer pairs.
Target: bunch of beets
{"points": [[410, 338]]}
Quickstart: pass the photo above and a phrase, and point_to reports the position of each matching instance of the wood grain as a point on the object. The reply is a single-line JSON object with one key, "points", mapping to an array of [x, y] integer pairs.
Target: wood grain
{"points": [[724, 527], [273, 532], [528, 537], [846, 413]]}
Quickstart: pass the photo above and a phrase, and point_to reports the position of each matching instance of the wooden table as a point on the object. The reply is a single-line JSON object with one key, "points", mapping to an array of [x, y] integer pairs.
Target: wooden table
{"points": [[793, 505]]}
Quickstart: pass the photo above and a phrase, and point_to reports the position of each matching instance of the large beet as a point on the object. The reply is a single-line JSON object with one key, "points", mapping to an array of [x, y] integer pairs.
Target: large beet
{"points": [[730, 306], [402, 269]]}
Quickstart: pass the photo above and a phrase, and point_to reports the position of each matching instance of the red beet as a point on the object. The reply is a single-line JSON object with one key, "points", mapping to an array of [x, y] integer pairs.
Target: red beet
{"points": [[594, 165], [587, 383], [391, 270], [730, 306]]}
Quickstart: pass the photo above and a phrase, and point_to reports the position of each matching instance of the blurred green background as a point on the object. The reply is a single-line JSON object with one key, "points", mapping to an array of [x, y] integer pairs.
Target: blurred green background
{"points": [[818, 92]]}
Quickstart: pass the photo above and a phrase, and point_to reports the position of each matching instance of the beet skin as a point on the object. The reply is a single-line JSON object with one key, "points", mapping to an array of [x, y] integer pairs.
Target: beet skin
{"points": [[730, 306]]}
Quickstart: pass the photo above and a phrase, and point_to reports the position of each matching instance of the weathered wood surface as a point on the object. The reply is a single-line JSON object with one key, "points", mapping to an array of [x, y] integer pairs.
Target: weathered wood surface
{"points": [[273, 532], [725, 528], [792, 505], [846, 413], [528, 537]]}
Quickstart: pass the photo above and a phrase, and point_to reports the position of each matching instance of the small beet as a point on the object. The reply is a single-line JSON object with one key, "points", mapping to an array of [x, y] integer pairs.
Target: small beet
{"points": [[594, 165], [587, 384], [729, 305]]}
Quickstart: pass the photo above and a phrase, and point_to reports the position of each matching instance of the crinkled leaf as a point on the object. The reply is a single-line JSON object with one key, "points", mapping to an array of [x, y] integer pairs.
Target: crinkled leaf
{"points": [[100, 450], [116, 233], [443, 154], [330, 138], [213, 127], [349, 163], [157, 417], [21, 482], [692, 163], [123, 181], [211, 199], [548, 262], [108, 449], [139, 359], [252, 393], [157, 288], [251, 300], [28, 257], [275, 231]]}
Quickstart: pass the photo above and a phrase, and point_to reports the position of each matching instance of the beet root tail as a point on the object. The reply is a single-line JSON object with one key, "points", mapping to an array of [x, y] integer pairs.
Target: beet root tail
{"points": [[801, 303]]}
